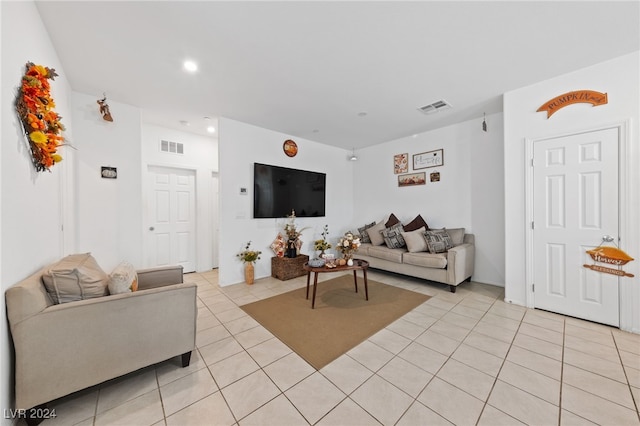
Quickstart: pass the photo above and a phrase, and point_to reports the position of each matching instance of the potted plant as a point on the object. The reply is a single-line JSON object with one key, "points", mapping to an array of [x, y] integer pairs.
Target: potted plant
{"points": [[293, 236], [323, 244], [249, 257]]}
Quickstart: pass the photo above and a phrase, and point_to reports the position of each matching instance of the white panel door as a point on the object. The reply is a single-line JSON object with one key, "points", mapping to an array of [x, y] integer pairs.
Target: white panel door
{"points": [[575, 205], [171, 238]]}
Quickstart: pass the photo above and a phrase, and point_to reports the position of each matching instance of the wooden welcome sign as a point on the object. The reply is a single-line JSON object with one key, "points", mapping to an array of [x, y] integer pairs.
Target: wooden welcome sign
{"points": [[610, 256], [581, 96]]}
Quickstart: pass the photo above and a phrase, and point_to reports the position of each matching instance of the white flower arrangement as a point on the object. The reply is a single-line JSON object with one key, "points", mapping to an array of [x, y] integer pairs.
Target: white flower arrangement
{"points": [[348, 244]]}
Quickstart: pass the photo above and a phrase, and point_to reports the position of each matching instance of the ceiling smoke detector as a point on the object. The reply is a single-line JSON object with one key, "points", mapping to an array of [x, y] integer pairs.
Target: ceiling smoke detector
{"points": [[435, 107]]}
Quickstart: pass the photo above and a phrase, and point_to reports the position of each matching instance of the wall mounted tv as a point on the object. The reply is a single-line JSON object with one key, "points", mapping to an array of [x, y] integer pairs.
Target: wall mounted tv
{"points": [[278, 190]]}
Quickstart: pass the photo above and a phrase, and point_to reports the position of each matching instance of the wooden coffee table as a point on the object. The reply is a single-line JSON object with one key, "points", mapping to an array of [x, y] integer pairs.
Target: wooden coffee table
{"points": [[358, 264]]}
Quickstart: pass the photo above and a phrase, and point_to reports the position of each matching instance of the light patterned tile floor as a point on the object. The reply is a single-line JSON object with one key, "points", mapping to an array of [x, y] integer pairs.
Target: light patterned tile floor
{"points": [[466, 358]]}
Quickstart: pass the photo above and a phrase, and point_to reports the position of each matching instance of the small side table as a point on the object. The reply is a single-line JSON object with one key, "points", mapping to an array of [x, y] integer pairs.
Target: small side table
{"points": [[285, 268]]}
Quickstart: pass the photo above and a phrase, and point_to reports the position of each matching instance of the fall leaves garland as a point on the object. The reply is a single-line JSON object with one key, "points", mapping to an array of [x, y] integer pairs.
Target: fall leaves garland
{"points": [[40, 122]]}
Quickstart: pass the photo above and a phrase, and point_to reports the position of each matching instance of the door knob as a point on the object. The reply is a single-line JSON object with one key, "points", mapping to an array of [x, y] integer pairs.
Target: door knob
{"points": [[607, 238], [151, 228]]}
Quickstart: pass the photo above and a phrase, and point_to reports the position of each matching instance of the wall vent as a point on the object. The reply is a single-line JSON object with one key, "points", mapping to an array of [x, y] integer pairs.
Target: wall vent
{"points": [[172, 147], [435, 107]]}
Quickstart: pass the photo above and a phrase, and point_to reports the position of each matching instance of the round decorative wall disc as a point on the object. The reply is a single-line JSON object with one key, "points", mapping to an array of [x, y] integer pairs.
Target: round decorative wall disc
{"points": [[290, 148]]}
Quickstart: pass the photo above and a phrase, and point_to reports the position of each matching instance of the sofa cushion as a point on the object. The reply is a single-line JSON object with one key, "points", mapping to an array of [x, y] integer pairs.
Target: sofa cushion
{"points": [[416, 223], [383, 252], [393, 236], [391, 221], [75, 277], [415, 240], [438, 240], [374, 233], [364, 236], [427, 260], [363, 249], [123, 279], [456, 235]]}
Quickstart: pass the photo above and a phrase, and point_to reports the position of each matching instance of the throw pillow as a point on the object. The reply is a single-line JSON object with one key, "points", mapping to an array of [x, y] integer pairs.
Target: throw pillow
{"points": [[438, 240], [457, 236], [123, 279], [393, 236], [416, 223], [375, 234], [364, 236], [391, 221], [415, 240], [75, 277]]}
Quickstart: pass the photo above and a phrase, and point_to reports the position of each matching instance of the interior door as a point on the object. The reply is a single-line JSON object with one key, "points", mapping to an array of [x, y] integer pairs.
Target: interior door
{"points": [[575, 205], [171, 238]]}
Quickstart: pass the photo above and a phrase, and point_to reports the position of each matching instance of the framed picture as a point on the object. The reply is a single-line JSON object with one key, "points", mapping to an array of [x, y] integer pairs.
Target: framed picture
{"points": [[401, 163], [428, 159], [412, 179], [435, 177], [109, 172]]}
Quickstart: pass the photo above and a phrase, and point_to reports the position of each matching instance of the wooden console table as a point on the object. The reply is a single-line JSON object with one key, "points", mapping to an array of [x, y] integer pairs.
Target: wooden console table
{"points": [[285, 268]]}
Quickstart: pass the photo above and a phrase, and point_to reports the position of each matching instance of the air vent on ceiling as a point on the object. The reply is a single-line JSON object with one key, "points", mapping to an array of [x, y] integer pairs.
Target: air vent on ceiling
{"points": [[435, 107], [173, 147]]}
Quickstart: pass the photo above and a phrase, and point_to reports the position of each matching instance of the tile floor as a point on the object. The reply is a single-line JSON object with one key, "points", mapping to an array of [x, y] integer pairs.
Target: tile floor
{"points": [[466, 359]]}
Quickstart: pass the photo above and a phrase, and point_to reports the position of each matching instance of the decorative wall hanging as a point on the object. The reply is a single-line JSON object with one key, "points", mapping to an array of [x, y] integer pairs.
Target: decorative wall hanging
{"points": [[412, 179], [400, 163], [581, 96], [435, 177], [290, 148], [40, 123], [609, 256], [428, 159], [104, 108], [109, 172]]}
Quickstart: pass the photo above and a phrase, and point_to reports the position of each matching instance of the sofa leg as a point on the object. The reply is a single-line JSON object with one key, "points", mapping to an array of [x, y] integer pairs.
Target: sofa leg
{"points": [[186, 359], [452, 288]]}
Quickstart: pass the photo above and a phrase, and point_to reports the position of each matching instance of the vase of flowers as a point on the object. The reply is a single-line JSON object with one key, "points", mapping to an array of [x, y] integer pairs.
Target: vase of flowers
{"points": [[323, 244], [293, 236], [348, 244], [249, 257]]}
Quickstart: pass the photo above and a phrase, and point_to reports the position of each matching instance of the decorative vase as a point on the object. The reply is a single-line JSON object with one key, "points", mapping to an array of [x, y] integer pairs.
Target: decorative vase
{"points": [[248, 273], [350, 262], [292, 249]]}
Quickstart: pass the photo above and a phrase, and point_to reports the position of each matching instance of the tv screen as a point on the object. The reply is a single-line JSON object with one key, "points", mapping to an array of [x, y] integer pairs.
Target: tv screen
{"points": [[279, 190]]}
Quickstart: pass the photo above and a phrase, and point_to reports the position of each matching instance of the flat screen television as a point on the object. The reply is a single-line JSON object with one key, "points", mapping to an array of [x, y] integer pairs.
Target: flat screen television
{"points": [[279, 190]]}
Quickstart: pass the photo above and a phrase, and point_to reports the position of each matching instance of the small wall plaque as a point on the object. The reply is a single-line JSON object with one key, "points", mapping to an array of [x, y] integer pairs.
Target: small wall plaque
{"points": [[109, 172]]}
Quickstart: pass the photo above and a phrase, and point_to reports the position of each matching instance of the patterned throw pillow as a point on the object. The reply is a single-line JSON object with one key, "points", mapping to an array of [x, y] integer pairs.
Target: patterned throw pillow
{"points": [[393, 236], [438, 240], [123, 279], [364, 235]]}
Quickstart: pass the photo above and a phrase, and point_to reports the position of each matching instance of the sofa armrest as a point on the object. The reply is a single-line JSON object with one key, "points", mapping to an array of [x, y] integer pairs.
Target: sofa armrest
{"points": [[75, 345], [460, 263], [159, 276]]}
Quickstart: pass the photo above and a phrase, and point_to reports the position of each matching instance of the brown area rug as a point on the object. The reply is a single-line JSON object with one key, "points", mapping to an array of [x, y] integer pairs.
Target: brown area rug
{"points": [[340, 321]]}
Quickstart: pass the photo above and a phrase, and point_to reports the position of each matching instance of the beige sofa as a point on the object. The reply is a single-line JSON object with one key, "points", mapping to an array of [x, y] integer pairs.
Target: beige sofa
{"points": [[63, 348], [452, 267]]}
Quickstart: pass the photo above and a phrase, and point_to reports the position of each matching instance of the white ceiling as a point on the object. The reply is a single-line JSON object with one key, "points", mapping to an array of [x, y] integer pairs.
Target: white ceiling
{"points": [[309, 68]]}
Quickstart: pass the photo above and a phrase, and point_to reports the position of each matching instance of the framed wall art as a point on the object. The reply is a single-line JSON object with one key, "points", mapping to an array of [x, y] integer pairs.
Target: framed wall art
{"points": [[412, 179], [428, 159], [401, 163]]}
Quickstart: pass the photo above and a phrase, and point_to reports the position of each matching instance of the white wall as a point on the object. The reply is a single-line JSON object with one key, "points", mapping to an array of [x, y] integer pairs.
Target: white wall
{"points": [[240, 146], [109, 211], [468, 195], [31, 202], [620, 79], [200, 155]]}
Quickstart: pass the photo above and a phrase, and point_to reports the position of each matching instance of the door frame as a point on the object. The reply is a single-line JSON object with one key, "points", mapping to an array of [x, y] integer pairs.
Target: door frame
{"points": [[146, 201], [624, 167]]}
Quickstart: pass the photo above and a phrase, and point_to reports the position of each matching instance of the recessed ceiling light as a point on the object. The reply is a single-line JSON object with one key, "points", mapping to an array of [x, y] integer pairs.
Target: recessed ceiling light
{"points": [[184, 122], [211, 129], [190, 66], [362, 114]]}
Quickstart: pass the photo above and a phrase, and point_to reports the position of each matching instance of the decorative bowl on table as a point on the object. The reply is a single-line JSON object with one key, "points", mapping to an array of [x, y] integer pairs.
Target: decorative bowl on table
{"points": [[316, 263]]}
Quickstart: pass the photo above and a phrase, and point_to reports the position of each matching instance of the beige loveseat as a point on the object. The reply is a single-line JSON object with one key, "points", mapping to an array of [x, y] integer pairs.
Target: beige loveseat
{"points": [[442, 255], [63, 348]]}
